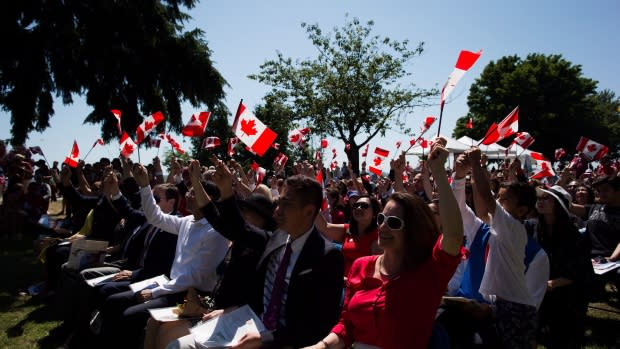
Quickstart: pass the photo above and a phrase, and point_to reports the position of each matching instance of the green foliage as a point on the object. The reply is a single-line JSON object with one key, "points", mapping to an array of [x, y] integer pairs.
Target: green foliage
{"points": [[352, 88], [130, 55], [557, 103]]}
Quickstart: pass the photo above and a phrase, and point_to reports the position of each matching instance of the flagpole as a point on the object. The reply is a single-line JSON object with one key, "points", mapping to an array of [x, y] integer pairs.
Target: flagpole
{"points": [[85, 156], [139, 154], [440, 117]]}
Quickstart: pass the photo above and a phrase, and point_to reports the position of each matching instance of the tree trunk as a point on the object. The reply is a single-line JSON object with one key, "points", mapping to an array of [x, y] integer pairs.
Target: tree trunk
{"points": [[353, 155]]}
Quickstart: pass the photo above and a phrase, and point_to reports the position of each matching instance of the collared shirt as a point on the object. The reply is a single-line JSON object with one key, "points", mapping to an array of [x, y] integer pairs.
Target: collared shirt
{"points": [[281, 238], [199, 250]]}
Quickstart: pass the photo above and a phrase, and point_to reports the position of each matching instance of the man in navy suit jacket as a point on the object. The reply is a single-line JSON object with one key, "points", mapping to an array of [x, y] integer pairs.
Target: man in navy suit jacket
{"points": [[314, 278]]}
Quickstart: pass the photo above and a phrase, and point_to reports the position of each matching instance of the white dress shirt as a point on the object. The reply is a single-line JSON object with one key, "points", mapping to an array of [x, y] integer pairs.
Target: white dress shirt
{"points": [[200, 248]]}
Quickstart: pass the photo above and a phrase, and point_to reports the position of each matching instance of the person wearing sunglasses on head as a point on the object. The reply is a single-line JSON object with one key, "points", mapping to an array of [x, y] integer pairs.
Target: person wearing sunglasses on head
{"points": [[391, 299], [359, 237]]}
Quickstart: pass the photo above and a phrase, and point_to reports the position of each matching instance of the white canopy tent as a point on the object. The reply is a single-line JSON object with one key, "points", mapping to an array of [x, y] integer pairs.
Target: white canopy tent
{"points": [[453, 146]]}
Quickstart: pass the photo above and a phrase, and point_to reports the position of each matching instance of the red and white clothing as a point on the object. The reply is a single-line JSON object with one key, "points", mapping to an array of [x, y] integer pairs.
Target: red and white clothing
{"points": [[398, 312], [354, 246]]}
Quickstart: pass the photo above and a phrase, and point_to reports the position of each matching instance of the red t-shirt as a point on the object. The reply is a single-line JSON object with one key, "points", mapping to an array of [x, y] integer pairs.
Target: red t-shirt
{"points": [[397, 313], [354, 247]]}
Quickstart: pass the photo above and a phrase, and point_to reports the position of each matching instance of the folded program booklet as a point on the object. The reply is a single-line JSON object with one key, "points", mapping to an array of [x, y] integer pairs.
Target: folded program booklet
{"points": [[227, 329]]}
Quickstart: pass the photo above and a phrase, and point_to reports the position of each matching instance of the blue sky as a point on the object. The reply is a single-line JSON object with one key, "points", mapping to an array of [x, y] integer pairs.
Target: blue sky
{"points": [[244, 34]]}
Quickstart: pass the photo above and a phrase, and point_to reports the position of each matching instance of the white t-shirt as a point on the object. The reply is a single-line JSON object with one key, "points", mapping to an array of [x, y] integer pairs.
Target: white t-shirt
{"points": [[504, 275]]}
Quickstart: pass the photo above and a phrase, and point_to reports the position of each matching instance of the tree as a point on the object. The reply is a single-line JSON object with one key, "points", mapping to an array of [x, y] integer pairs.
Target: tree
{"points": [[352, 88], [557, 104], [130, 55]]}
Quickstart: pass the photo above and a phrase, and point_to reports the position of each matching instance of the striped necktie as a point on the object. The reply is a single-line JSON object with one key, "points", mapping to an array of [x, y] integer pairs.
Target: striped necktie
{"points": [[271, 315]]}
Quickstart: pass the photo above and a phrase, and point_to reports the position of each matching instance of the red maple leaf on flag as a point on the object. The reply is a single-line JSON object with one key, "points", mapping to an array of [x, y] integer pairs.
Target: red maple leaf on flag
{"points": [[592, 147], [377, 161], [248, 127], [128, 148]]}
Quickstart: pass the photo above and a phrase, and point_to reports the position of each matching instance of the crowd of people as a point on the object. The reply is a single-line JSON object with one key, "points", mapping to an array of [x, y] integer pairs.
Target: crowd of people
{"points": [[473, 256]]}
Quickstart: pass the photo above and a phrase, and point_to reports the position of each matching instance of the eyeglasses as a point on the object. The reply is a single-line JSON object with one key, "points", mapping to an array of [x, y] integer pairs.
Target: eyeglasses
{"points": [[157, 198], [361, 205], [392, 222]]}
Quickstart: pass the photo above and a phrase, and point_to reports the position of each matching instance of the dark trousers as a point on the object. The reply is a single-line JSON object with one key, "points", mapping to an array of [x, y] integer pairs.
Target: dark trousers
{"points": [[124, 318], [562, 317]]}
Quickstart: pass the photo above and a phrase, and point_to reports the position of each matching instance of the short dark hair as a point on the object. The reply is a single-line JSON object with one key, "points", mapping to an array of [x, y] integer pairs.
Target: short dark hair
{"points": [[525, 193], [307, 190], [171, 191]]}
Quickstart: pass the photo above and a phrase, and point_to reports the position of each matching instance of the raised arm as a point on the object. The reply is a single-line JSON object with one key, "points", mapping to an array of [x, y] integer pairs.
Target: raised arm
{"points": [[451, 221], [398, 165], [334, 232], [152, 212], [484, 201]]}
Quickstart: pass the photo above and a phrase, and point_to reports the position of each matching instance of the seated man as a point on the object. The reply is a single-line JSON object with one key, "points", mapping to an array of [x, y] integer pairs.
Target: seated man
{"points": [[199, 250], [298, 283]]}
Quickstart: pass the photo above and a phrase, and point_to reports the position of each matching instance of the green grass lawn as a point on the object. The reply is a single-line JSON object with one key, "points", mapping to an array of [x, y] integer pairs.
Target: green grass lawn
{"points": [[28, 322]]}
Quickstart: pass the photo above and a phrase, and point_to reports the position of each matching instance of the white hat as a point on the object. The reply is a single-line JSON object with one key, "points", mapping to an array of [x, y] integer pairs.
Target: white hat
{"points": [[559, 194]]}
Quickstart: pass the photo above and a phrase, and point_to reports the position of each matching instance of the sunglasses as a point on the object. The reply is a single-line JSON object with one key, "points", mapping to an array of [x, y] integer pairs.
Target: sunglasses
{"points": [[392, 222], [157, 198], [361, 205]]}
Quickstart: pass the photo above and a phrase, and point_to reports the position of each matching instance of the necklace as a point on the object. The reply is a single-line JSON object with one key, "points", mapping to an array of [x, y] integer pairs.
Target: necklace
{"points": [[386, 275]]}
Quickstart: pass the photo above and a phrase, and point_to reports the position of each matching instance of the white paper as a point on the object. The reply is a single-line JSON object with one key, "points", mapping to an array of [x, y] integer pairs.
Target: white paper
{"points": [[227, 329], [602, 268], [96, 281], [165, 314], [149, 283]]}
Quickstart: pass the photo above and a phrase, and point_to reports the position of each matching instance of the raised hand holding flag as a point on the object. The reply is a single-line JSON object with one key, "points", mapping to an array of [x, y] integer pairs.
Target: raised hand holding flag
{"points": [[211, 143], [377, 162]]}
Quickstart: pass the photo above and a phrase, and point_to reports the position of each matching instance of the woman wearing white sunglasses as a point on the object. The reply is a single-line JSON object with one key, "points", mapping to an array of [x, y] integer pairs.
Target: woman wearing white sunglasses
{"points": [[391, 299]]}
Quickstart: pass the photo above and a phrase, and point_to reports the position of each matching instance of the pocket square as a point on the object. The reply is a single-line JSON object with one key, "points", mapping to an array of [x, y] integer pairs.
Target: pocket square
{"points": [[304, 272]]}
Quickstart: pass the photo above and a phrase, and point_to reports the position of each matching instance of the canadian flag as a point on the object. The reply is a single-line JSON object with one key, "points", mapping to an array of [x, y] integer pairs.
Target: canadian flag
{"points": [[398, 143], [470, 123], [280, 160], [252, 131], [377, 162], [175, 145], [523, 139], [333, 166], [36, 150], [260, 175], [211, 142], [98, 141], [74, 156], [591, 149], [365, 152], [506, 128], [232, 143], [537, 156], [147, 125], [559, 153], [465, 61], [276, 146], [117, 115], [127, 145], [424, 143], [546, 171], [196, 125], [317, 155], [334, 153], [298, 137], [324, 143], [428, 122], [154, 142]]}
